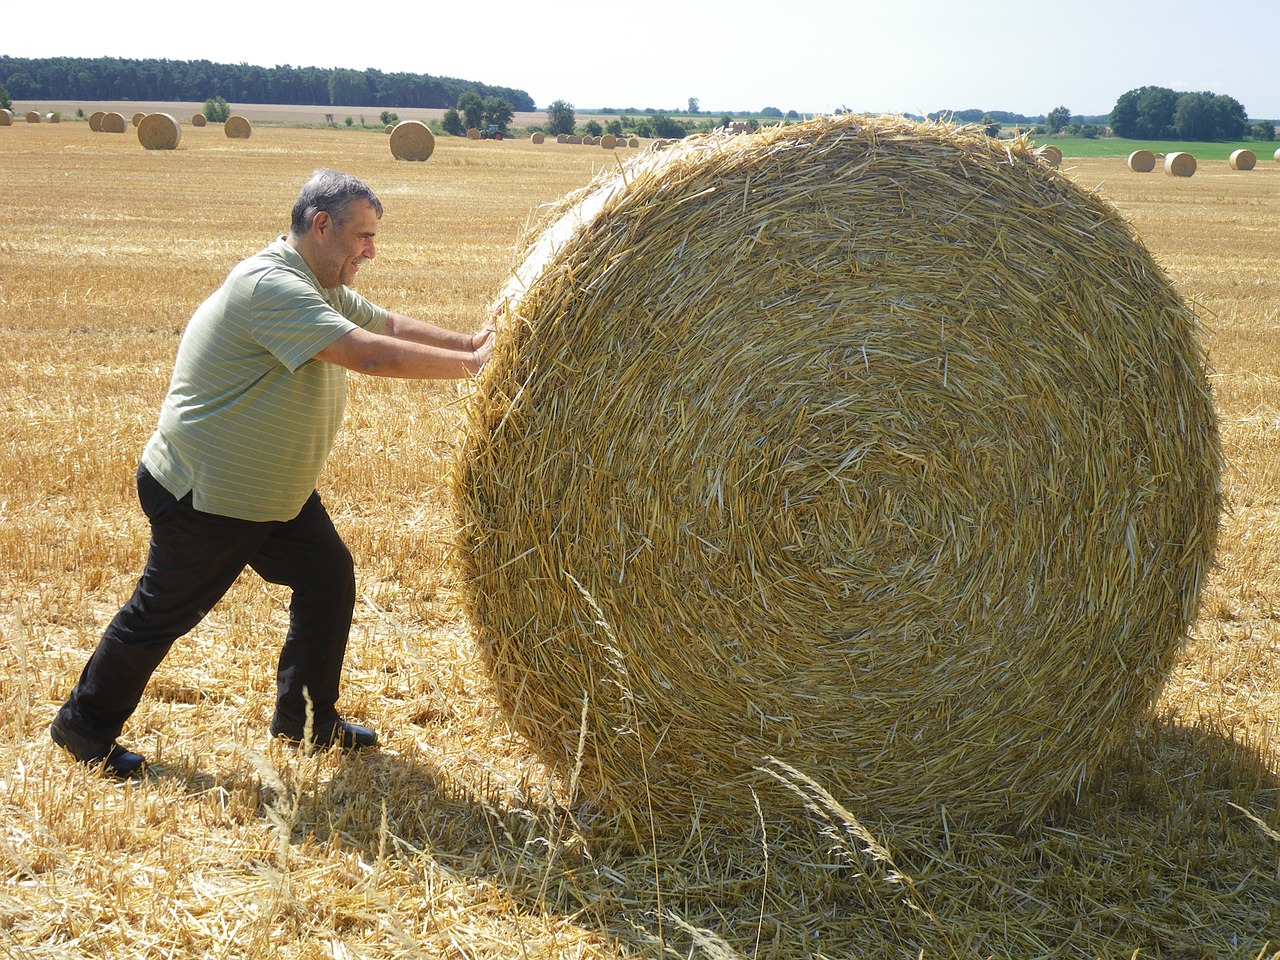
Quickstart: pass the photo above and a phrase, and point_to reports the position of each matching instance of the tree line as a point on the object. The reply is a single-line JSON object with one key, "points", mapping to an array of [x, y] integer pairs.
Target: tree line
{"points": [[1159, 113], [111, 78]]}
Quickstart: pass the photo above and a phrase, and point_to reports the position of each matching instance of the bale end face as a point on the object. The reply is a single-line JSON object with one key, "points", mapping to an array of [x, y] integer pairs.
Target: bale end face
{"points": [[412, 140], [159, 131], [1180, 164]]}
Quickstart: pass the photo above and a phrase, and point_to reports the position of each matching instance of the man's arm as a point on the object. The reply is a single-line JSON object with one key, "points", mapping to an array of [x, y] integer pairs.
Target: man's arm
{"points": [[411, 349]]}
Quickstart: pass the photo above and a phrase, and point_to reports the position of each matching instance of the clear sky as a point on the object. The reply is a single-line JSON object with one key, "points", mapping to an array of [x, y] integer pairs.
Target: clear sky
{"points": [[812, 56]]}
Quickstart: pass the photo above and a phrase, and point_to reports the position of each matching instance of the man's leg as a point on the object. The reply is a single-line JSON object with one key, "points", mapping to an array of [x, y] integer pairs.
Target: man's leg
{"points": [[193, 559], [307, 555]]}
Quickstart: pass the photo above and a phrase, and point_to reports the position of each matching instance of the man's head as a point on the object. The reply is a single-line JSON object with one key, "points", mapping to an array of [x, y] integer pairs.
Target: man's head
{"points": [[333, 225]]}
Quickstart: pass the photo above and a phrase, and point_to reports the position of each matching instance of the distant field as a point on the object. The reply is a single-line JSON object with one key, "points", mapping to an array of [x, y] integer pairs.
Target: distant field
{"points": [[1118, 147]]}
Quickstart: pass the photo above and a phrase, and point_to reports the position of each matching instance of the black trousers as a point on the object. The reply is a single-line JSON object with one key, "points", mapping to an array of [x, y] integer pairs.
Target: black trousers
{"points": [[193, 559]]}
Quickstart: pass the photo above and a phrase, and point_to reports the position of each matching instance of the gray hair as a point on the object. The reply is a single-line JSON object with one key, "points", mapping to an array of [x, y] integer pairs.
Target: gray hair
{"points": [[331, 192]]}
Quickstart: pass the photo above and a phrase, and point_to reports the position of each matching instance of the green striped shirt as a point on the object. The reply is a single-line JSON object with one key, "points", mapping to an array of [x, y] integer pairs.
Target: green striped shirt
{"points": [[250, 417]]}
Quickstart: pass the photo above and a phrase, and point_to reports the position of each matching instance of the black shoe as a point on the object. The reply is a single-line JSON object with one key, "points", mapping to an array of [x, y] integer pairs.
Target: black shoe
{"points": [[348, 736], [110, 757]]}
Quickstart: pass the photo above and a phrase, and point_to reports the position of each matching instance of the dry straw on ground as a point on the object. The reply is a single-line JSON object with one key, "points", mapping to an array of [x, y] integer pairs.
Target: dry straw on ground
{"points": [[412, 140], [1142, 161], [114, 123], [237, 128], [160, 131], [1180, 164], [1242, 160], [829, 445]]}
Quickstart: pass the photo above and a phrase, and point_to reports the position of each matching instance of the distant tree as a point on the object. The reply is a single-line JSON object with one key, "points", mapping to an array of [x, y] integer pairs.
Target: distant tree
{"points": [[667, 128], [1264, 130], [614, 127], [644, 128], [451, 123], [1057, 120], [1193, 117], [498, 110], [5, 102], [771, 112], [347, 88], [991, 126], [693, 104], [592, 128], [1232, 120], [387, 117], [560, 118], [725, 120], [217, 110], [471, 106], [1091, 131], [792, 115]]}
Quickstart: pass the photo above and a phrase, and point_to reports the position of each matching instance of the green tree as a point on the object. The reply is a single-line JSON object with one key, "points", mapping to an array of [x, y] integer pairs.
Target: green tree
{"points": [[991, 126], [5, 102], [1057, 120], [560, 118], [614, 127], [217, 110], [1264, 130], [387, 117], [498, 110], [1193, 117], [348, 88], [592, 128], [694, 104], [471, 107], [452, 123], [667, 128]]}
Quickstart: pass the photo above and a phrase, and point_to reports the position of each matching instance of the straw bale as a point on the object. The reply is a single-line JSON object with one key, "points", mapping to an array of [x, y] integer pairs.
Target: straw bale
{"points": [[1180, 164], [473, 133], [113, 122], [564, 138], [1142, 161], [95, 120], [826, 445], [537, 138], [138, 118], [388, 128], [573, 138], [412, 140], [633, 142], [1276, 156], [53, 116], [1050, 154], [609, 141], [160, 131], [237, 128], [33, 116], [1242, 160], [199, 120], [6, 117]]}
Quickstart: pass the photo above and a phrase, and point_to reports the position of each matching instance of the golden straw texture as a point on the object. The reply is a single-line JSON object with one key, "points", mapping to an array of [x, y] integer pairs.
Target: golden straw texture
{"points": [[237, 128], [882, 449], [1242, 160], [159, 131], [1142, 161], [1180, 164], [412, 140], [114, 123]]}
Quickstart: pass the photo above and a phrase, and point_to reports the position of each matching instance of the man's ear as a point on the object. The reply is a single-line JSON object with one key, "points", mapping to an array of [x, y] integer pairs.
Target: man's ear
{"points": [[321, 222]]}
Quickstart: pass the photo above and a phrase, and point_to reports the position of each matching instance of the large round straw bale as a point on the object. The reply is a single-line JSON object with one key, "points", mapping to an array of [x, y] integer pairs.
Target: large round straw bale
{"points": [[609, 141], [237, 128], [1242, 160], [633, 142], [1142, 161], [537, 137], [6, 117], [199, 120], [114, 122], [33, 116], [1180, 164], [473, 133], [159, 131], [825, 445], [1050, 154], [95, 120], [412, 140]]}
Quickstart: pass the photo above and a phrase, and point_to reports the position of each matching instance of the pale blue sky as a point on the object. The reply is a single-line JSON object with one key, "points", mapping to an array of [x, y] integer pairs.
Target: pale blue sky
{"points": [[812, 56]]}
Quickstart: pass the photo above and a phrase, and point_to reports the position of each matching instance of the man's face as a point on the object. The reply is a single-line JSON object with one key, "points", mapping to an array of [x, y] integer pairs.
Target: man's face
{"points": [[345, 246]]}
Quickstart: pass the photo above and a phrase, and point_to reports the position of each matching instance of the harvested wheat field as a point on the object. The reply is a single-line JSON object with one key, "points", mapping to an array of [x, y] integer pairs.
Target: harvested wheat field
{"points": [[455, 838]]}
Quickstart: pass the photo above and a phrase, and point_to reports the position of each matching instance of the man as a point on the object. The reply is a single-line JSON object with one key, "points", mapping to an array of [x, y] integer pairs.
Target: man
{"points": [[228, 479]]}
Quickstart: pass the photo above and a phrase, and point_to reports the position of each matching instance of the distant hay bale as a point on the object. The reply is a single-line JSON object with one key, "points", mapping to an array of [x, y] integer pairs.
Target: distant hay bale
{"points": [[33, 116], [1050, 154], [573, 138], [159, 131], [113, 122], [1142, 161], [1180, 164], [930, 525], [412, 140], [609, 141], [138, 118], [1242, 160], [237, 128], [95, 120], [537, 138], [54, 116], [633, 142], [388, 128], [6, 117], [588, 140], [1276, 156], [199, 120], [473, 133]]}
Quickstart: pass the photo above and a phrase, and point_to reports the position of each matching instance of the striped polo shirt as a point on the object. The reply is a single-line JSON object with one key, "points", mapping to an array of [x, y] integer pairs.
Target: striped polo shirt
{"points": [[250, 417]]}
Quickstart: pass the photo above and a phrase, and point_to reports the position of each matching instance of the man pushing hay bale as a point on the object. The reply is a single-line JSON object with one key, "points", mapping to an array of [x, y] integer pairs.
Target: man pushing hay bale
{"points": [[881, 450]]}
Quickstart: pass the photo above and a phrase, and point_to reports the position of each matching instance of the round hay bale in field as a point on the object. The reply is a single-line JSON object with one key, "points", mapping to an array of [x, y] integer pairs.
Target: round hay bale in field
{"points": [[912, 489], [1142, 161], [237, 128], [633, 142], [609, 141], [6, 117], [574, 139], [95, 120], [138, 118], [1242, 160], [412, 140], [473, 133], [160, 131], [199, 120], [537, 138], [564, 138], [1180, 164], [33, 116], [113, 122], [54, 117], [388, 128], [1050, 154]]}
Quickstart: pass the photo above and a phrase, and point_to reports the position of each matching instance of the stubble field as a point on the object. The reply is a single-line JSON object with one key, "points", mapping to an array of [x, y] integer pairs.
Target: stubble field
{"points": [[453, 840]]}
